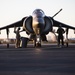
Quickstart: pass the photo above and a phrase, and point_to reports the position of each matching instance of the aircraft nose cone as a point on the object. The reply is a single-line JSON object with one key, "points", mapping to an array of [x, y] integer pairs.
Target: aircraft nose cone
{"points": [[38, 23]]}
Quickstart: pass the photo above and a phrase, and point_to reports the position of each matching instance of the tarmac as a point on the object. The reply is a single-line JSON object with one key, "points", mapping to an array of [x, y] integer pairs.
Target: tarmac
{"points": [[47, 60]]}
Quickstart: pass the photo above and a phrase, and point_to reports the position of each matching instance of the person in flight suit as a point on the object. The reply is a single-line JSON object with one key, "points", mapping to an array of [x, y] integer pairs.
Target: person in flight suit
{"points": [[17, 32], [60, 32]]}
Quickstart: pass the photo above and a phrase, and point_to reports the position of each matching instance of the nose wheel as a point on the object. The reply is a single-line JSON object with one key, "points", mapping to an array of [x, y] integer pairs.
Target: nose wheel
{"points": [[38, 44]]}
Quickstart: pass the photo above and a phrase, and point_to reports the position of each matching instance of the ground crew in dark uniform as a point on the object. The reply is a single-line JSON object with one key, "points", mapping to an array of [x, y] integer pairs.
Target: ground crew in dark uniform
{"points": [[17, 32], [60, 32]]}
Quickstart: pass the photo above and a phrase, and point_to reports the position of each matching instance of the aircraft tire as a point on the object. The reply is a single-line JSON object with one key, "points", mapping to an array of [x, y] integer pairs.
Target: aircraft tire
{"points": [[38, 45]]}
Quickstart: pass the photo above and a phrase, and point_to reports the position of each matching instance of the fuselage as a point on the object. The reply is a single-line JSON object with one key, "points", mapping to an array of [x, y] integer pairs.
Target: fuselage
{"points": [[38, 22]]}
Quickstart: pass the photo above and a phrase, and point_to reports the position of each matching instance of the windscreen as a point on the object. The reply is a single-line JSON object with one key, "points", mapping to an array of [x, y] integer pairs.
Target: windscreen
{"points": [[38, 13]]}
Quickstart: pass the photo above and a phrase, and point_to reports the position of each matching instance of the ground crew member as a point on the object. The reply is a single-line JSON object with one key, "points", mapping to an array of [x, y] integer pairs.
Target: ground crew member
{"points": [[60, 32], [17, 32]]}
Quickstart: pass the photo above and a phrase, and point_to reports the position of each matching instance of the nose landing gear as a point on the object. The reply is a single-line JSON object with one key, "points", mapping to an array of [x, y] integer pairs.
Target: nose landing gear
{"points": [[37, 41]]}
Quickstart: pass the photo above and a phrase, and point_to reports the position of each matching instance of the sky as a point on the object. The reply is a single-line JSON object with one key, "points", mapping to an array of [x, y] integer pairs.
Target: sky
{"points": [[14, 10]]}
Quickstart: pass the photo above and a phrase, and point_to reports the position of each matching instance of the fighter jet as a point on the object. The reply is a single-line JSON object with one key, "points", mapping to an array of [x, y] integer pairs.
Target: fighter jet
{"points": [[38, 25]]}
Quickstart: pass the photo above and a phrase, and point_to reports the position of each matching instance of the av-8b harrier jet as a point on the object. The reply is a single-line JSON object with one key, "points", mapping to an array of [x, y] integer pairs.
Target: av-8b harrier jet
{"points": [[38, 25]]}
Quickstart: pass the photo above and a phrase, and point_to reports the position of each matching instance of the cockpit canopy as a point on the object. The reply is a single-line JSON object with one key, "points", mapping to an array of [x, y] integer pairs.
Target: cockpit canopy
{"points": [[38, 13]]}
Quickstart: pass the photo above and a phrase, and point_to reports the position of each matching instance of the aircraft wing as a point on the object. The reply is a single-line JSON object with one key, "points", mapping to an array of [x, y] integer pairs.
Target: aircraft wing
{"points": [[15, 24], [57, 23]]}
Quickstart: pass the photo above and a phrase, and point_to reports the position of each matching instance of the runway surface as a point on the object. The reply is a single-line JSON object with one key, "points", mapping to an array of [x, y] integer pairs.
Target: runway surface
{"points": [[47, 60]]}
